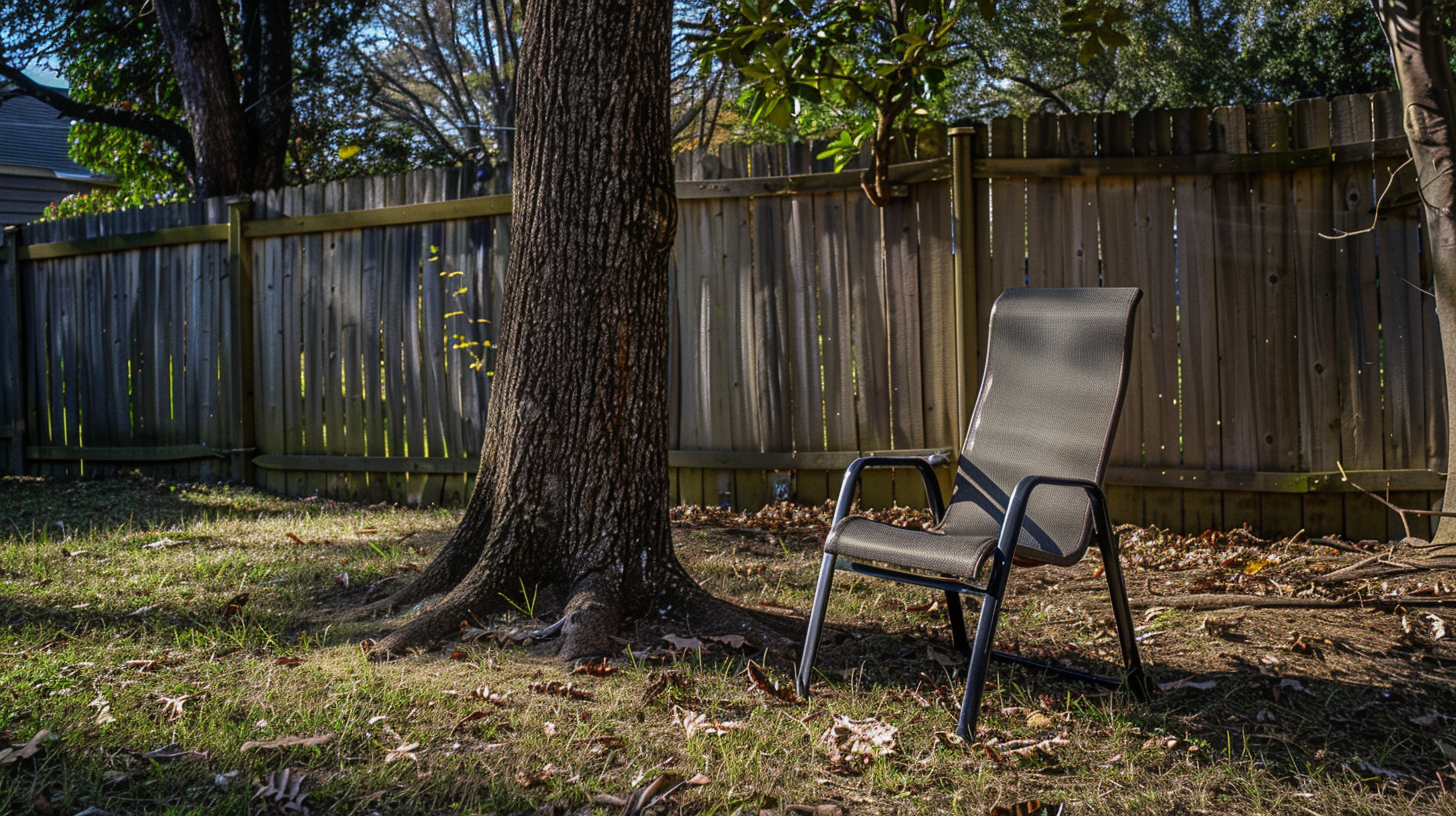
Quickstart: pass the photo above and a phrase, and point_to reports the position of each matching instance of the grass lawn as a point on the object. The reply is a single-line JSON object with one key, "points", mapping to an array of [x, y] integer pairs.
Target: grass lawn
{"points": [[183, 646]]}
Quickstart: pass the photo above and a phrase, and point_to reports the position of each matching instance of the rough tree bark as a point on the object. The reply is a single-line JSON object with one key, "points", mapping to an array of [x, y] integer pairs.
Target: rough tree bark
{"points": [[572, 492], [238, 141], [1428, 97]]}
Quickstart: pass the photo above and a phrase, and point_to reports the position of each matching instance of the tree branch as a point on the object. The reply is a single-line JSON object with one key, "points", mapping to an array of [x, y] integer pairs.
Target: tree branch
{"points": [[165, 130]]}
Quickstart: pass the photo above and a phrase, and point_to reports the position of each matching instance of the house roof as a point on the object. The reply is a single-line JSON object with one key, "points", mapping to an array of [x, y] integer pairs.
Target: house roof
{"points": [[33, 135]]}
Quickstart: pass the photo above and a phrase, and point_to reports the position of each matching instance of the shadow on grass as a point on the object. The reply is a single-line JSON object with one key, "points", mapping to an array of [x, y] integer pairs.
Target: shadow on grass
{"points": [[1288, 714]]}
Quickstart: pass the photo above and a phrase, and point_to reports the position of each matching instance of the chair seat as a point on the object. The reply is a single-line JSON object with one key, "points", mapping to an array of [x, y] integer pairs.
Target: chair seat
{"points": [[961, 556]]}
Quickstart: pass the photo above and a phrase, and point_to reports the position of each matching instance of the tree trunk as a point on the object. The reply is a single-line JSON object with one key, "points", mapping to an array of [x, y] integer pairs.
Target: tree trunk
{"points": [[237, 149], [1423, 69], [572, 493]]}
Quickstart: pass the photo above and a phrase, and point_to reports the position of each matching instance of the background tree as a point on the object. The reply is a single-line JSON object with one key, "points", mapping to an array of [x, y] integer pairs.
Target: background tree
{"points": [[447, 69], [277, 106]]}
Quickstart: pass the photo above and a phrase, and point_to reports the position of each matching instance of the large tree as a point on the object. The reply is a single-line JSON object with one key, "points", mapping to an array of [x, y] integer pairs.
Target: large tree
{"points": [[572, 494], [1417, 38]]}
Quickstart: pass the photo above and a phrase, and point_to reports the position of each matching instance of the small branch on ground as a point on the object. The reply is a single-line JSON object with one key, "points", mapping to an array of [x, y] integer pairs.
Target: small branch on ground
{"points": [[1211, 601]]}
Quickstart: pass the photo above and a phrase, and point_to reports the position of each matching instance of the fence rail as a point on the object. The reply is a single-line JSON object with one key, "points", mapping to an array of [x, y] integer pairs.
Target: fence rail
{"points": [[339, 338]]}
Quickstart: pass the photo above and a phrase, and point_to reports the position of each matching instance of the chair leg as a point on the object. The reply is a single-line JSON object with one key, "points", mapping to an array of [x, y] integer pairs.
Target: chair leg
{"points": [[1135, 678], [981, 648], [957, 622], [816, 623]]}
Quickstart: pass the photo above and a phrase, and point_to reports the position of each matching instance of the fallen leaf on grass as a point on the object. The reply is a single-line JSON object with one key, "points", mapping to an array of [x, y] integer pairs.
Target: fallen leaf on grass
{"points": [[645, 797], [759, 678], [1022, 749], [549, 728], [684, 643], [294, 537], [142, 665], [172, 706], [1447, 750], [288, 661], [526, 780], [235, 605], [103, 710], [1428, 719], [285, 742], [1384, 773], [595, 669], [484, 693], [816, 810], [1188, 682], [1031, 807], [282, 790], [1219, 627], [950, 739], [343, 579], [556, 688], [474, 716], [172, 752], [459, 655], [694, 722], [15, 753], [854, 744], [732, 641], [405, 751], [659, 682], [161, 544]]}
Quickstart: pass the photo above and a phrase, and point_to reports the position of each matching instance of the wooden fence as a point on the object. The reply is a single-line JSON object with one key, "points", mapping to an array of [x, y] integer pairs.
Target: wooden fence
{"points": [[1267, 352], [337, 339]]}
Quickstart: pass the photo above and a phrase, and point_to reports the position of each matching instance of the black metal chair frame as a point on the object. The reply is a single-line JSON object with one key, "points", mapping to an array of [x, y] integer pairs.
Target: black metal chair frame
{"points": [[980, 651]]}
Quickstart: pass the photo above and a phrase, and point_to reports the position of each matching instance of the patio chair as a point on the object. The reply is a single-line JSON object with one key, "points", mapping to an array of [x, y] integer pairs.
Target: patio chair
{"points": [[1028, 483]]}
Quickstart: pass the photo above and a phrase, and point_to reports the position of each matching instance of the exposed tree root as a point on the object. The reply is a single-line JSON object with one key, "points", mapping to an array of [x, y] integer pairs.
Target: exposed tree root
{"points": [[444, 571]]}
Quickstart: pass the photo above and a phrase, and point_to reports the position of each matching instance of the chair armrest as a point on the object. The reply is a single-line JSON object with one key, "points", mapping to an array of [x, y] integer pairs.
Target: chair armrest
{"points": [[1016, 509], [924, 464]]}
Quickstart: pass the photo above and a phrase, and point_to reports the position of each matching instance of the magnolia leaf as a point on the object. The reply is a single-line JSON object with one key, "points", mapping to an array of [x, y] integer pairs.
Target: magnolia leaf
{"points": [[349, 151]]}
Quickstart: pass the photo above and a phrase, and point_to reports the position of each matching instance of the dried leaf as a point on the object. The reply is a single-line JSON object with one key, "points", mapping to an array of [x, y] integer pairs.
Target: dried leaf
{"points": [[294, 537], [681, 643], [142, 665], [950, 739], [732, 641], [854, 744], [283, 790], [459, 655], [1045, 748], [556, 688], [602, 669], [532, 780], [103, 710], [1219, 627], [1447, 750], [286, 742], [474, 716], [695, 723], [235, 605], [172, 752], [172, 706], [1427, 720], [288, 661], [816, 810], [1188, 682], [343, 579], [758, 678], [489, 696], [1031, 807], [15, 753], [404, 751]]}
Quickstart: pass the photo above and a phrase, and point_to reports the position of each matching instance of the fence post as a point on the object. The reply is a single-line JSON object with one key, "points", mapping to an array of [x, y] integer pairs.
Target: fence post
{"points": [[240, 283], [963, 218], [12, 357]]}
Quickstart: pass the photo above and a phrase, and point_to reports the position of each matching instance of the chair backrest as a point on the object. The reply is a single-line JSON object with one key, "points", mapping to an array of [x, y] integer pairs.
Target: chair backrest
{"points": [[1056, 370]]}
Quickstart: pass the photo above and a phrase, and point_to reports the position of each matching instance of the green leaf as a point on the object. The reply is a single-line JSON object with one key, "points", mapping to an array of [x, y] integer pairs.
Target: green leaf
{"points": [[1090, 49], [349, 151], [1113, 39]]}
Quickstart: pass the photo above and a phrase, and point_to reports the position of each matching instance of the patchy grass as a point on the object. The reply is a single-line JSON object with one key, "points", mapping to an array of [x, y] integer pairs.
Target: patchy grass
{"points": [[156, 630]]}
